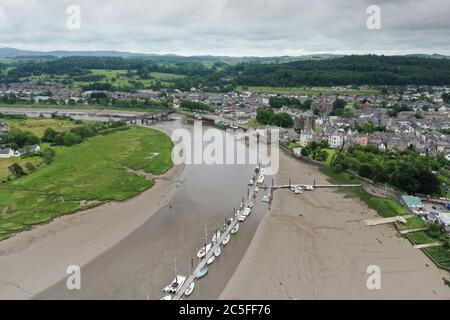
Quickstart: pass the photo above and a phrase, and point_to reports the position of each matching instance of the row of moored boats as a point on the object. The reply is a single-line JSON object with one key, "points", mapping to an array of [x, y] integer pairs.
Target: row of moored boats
{"points": [[217, 241]]}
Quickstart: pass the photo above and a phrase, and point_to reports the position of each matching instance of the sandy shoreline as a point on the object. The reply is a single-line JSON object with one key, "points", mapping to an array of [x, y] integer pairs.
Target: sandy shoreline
{"points": [[32, 261], [315, 246]]}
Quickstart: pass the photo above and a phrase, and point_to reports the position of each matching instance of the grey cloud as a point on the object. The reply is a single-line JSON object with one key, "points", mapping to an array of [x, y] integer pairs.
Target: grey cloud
{"points": [[233, 27]]}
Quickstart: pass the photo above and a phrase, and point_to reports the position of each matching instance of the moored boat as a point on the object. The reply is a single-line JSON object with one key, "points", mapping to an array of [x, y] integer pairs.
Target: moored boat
{"points": [[211, 260], [203, 251], [201, 273], [226, 240], [189, 289], [176, 284], [217, 251], [215, 237], [235, 229]]}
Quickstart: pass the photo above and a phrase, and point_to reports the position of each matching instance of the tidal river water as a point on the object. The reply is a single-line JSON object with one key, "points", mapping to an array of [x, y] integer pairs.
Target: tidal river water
{"points": [[142, 264]]}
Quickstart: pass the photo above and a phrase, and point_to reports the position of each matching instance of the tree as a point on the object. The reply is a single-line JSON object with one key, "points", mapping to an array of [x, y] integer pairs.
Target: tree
{"points": [[365, 170], [282, 120], [406, 178], [16, 170], [49, 135], [339, 104], [429, 183], [305, 152], [264, 116], [69, 139], [30, 167], [48, 154]]}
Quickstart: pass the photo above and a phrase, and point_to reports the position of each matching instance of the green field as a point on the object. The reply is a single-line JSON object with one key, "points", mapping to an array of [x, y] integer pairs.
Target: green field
{"points": [[38, 125], [118, 78], [5, 163], [440, 255], [308, 90], [420, 237], [93, 171]]}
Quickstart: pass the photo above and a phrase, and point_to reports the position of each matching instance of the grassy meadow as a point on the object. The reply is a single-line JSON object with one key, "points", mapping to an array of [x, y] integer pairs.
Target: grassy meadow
{"points": [[84, 175]]}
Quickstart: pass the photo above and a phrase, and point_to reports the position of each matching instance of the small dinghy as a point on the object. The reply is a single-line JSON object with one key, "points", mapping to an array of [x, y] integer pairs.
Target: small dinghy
{"points": [[168, 297], [218, 251], [189, 289], [203, 251], [203, 271], [250, 204], [246, 212], [235, 229], [242, 218], [251, 182], [256, 189], [176, 284], [211, 260], [226, 240]]}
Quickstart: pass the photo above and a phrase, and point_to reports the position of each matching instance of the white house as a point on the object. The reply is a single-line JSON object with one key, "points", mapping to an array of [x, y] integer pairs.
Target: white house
{"points": [[335, 140], [6, 153], [306, 137]]}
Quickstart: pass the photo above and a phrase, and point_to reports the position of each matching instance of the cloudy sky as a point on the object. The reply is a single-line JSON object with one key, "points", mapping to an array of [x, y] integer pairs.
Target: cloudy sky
{"points": [[228, 27]]}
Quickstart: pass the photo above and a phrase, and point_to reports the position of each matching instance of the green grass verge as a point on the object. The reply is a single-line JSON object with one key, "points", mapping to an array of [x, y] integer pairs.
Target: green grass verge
{"points": [[420, 237], [93, 171], [412, 223], [440, 255]]}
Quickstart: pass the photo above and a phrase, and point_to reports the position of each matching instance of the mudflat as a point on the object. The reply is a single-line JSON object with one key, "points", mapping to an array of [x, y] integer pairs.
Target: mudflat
{"points": [[316, 246]]}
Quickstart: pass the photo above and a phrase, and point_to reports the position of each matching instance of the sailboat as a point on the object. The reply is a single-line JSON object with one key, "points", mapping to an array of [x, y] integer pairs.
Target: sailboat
{"points": [[205, 249], [218, 251], [235, 229], [177, 283], [189, 289]]}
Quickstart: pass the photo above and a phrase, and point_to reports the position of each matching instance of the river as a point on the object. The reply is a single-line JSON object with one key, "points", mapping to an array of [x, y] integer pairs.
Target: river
{"points": [[142, 264]]}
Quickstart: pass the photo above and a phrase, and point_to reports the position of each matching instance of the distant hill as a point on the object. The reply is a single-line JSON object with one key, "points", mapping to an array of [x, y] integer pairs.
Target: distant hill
{"points": [[17, 53]]}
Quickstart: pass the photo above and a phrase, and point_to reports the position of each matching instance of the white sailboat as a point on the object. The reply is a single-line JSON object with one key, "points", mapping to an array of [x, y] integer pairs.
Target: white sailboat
{"points": [[235, 229], [206, 247], [177, 283], [242, 218], [246, 212], [189, 289], [203, 251], [218, 251]]}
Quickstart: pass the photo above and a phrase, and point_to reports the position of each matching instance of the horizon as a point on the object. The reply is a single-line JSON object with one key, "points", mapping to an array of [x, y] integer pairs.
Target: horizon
{"points": [[137, 53]]}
